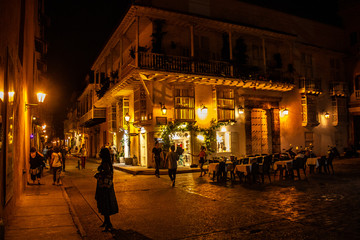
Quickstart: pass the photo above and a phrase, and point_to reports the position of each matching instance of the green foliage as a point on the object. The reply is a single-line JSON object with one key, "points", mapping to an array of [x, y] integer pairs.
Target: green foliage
{"points": [[168, 132]]}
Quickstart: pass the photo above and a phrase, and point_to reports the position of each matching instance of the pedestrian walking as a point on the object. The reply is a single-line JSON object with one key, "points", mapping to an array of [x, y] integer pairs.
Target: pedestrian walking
{"points": [[83, 154], [63, 155], [56, 166], [105, 194], [36, 165], [113, 152], [202, 159], [45, 154], [171, 161], [156, 157]]}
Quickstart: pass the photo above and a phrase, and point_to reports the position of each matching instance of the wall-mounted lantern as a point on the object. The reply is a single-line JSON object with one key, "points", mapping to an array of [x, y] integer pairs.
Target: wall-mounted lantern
{"points": [[241, 109], [127, 117], [327, 115], [285, 112], [204, 109], [40, 97], [163, 109]]}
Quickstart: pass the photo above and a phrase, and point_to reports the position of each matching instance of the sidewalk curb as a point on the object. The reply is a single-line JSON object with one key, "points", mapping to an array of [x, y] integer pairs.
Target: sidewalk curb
{"points": [[74, 214]]}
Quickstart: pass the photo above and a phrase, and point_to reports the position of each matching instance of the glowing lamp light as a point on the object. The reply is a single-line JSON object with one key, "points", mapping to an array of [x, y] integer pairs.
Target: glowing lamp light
{"points": [[285, 112], [327, 115], [43, 126], [41, 97], [223, 129], [200, 137], [127, 117], [204, 109], [34, 118], [241, 110], [11, 96], [46, 136], [32, 136]]}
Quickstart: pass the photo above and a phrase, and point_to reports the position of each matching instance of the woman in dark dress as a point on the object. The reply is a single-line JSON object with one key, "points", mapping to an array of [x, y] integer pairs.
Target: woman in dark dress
{"points": [[36, 164], [105, 194]]}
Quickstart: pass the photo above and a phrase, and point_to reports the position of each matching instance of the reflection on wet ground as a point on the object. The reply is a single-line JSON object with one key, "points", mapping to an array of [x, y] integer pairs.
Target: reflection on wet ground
{"points": [[318, 206]]}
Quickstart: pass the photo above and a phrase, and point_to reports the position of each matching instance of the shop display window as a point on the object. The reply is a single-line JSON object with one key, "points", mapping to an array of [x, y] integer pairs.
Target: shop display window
{"points": [[223, 142]]}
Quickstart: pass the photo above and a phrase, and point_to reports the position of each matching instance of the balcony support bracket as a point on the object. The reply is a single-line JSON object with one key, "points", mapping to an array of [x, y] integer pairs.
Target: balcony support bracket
{"points": [[142, 78]]}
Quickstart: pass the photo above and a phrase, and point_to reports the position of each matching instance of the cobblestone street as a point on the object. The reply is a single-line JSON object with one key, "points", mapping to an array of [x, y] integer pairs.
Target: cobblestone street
{"points": [[318, 207]]}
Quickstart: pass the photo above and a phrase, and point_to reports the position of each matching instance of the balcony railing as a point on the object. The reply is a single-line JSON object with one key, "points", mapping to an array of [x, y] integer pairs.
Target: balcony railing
{"points": [[310, 86], [93, 117], [338, 89], [213, 68]]}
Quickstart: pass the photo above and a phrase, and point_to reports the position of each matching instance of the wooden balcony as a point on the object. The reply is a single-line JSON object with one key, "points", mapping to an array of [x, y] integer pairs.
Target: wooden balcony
{"points": [[338, 89], [160, 62], [93, 117], [310, 86]]}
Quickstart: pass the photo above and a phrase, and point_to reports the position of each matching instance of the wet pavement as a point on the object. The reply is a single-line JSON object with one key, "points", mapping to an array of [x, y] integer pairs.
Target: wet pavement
{"points": [[319, 206]]}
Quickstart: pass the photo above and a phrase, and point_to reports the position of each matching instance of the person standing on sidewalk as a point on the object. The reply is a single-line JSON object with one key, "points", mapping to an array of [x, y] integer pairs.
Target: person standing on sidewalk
{"points": [[56, 166], [171, 160], [63, 155], [105, 194], [156, 157], [112, 152], [83, 154], [36, 164]]}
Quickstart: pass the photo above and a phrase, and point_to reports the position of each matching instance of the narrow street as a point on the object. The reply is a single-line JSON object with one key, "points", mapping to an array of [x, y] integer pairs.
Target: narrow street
{"points": [[319, 207]]}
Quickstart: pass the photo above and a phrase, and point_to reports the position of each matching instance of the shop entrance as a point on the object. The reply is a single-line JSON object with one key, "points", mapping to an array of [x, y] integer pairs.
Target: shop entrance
{"points": [[143, 149], [259, 132], [182, 140]]}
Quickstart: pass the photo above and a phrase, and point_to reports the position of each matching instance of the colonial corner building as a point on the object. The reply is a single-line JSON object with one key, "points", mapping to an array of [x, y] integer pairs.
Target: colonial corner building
{"points": [[272, 78]]}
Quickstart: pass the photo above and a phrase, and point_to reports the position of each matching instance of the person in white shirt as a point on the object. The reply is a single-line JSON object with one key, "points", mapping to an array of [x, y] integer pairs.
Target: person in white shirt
{"points": [[56, 165], [113, 152]]}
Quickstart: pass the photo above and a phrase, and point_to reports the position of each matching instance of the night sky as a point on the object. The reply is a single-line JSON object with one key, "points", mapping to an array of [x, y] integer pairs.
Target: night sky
{"points": [[77, 32]]}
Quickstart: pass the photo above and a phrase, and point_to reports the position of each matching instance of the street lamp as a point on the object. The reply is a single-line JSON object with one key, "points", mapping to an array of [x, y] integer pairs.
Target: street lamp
{"points": [[204, 109], [241, 110], [127, 117], [163, 109], [40, 97]]}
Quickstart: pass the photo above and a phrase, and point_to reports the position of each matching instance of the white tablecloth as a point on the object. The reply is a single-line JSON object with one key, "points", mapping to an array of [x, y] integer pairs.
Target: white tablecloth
{"points": [[213, 167], [312, 161], [282, 163], [244, 168]]}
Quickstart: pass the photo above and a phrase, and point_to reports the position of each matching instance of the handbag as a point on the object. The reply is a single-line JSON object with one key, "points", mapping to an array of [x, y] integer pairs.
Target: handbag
{"points": [[34, 171], [104, 180]]}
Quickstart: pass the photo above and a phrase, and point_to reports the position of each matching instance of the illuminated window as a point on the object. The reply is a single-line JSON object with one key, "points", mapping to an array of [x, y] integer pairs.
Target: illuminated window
{"points": [[184, 104], [223, 141], [225, 104]]}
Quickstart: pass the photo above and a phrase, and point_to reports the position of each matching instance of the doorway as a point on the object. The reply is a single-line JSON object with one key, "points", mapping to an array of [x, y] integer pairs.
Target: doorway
{"points": [[259, 132], [143, 149]]}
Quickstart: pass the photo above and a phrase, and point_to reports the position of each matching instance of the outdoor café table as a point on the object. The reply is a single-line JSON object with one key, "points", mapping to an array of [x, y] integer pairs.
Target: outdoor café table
{"points": [[213, 168], [281, 163], [244, 168], [312, 161]]}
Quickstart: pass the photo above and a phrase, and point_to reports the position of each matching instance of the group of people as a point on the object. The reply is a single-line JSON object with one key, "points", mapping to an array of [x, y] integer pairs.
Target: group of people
{"points": [[171, 159], [56, 157]]}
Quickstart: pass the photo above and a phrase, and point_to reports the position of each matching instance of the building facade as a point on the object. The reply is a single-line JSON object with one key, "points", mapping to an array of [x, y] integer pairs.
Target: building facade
{"points": [[261, 80], [349, 13], [22, 72]]}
